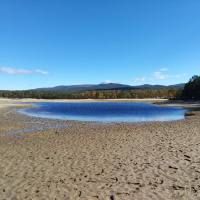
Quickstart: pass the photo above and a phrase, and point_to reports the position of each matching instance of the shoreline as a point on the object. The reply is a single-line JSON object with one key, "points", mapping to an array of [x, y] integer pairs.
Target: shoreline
{"points": [[91, 161], [191, 104], [28, 100]]}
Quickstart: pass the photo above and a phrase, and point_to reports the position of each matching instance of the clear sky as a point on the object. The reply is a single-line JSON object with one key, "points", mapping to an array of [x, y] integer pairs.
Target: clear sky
{"points": [[45, 43]]}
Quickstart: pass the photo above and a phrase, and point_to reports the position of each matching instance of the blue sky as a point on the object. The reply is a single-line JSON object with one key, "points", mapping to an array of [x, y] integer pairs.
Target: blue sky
{"points": [[67, 42]]}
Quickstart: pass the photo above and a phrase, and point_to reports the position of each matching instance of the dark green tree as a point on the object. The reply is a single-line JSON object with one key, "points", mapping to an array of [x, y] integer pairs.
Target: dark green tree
{"points": [[192, 88]]}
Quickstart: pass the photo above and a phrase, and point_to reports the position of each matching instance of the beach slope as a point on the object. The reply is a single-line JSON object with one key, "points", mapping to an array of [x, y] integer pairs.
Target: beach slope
{"points": [[69, 160]]}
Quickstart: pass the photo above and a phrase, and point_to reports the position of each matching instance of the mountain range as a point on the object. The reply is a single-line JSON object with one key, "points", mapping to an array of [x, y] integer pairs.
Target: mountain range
{"points": [[109, 86]]}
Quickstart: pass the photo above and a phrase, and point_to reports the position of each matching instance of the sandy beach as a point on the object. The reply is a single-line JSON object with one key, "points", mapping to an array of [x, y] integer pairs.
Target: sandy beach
{"points": [[72, 160]]}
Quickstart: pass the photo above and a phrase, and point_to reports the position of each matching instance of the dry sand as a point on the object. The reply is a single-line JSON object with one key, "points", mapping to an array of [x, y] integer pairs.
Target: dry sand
{"points": [[28, 100], [72, 160]]}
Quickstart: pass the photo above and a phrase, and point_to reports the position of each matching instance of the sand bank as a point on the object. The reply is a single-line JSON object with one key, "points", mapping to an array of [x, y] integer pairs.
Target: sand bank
{"points": [[192, 104], [72, 160], [82, 100]]}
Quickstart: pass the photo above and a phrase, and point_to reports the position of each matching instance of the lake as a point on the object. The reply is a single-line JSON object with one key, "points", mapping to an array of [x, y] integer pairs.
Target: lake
{"points": [[105, 112]]}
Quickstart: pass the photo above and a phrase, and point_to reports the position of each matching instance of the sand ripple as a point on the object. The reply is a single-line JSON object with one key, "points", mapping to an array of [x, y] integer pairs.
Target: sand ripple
{"points": [[84, 161]]}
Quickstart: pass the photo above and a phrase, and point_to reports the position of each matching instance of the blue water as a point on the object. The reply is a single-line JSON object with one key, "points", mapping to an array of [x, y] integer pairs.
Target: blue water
{"points": [[105, 112]]}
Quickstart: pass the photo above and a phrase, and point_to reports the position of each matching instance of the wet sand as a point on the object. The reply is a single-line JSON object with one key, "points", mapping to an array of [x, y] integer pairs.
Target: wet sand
{"points": [[72, 160]]}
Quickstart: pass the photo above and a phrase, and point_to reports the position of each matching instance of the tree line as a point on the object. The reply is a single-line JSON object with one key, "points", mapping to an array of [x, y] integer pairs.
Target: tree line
{"points": [[103, 94], [191, 90]]}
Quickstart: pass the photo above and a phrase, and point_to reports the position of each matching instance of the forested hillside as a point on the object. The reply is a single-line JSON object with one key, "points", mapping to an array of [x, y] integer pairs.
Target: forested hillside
{"points": [[103, 94]]}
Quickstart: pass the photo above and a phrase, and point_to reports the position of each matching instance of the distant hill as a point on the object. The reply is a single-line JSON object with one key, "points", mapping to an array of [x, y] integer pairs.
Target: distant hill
{"points": [[109, 86]]}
